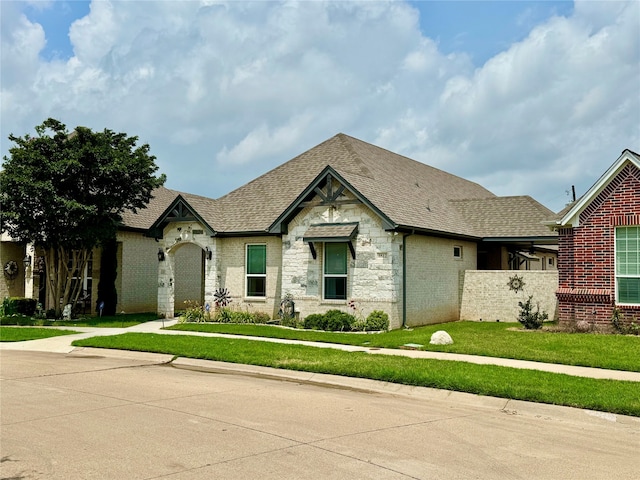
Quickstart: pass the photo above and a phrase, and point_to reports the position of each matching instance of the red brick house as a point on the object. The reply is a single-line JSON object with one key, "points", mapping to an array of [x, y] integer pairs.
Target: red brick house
{"points": [[599, 248]]}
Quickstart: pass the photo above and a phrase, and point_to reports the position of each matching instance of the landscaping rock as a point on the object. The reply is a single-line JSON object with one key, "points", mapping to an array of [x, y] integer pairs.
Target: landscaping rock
{"points": [[441, 338]]}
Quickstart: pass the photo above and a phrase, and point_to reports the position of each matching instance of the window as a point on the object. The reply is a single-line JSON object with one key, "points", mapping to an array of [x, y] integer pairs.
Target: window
{"points": [[551, 261], [628, 264], [457, 252], [335, 271], [256, 265]]}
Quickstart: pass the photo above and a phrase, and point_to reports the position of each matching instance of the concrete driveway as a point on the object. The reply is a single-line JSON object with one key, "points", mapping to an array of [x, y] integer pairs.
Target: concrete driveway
{"points": [[103, 415]]}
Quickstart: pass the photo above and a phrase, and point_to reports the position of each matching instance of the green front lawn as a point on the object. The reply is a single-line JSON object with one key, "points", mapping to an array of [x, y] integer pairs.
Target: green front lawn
{"points": [[531, 385], [505, 340], [21, 334], [115, 321]]}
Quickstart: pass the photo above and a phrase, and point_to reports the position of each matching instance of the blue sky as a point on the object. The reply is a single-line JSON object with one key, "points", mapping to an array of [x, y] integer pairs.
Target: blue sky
{"points": [[523, 97]]}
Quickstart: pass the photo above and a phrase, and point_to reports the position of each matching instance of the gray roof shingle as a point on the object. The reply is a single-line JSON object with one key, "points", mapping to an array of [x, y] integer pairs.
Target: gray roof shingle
{"points": [[410, 193]]}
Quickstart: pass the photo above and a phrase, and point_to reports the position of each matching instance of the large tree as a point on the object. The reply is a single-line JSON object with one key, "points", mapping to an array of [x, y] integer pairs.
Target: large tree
{"points": [[65, 192]]}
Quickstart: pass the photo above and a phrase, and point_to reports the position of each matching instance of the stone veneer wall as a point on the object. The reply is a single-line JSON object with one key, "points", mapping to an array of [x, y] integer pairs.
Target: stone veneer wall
{"points": [[433, 278], [486, 294], [374, 277]]}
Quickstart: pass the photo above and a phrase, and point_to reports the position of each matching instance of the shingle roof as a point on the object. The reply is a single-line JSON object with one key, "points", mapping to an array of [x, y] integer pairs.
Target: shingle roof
{"points": [[145, 217], [409, 193], [503, 217]]}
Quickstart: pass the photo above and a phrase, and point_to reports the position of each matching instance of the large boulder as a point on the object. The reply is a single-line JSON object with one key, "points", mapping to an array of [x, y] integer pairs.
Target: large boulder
{"points": [[441, 338]]}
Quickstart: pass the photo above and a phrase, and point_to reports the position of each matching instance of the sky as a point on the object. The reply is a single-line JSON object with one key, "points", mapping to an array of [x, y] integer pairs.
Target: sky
{"points": [[522, 97]]}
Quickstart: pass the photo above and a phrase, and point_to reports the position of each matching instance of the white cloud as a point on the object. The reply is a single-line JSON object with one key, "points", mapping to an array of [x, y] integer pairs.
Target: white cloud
{"points": [[236, 88]]}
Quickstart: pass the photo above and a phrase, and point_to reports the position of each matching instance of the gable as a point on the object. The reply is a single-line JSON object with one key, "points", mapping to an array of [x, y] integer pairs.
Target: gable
{"points": [[178, 211], [625, 168], [327, 189]]}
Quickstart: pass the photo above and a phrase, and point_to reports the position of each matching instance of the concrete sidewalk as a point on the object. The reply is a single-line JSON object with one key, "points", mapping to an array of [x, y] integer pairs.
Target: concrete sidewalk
{"points": [[62, 344]]}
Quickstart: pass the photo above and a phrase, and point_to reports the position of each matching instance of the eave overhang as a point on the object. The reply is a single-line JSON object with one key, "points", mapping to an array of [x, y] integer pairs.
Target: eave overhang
{"points": [[178, 211], [572, 217], [279, 226]]}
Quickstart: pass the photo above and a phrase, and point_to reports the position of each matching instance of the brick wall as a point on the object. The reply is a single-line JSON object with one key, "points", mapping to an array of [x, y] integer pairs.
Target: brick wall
{"points": [[137, 273], [586, 253], [11, 287], [231, 254], [433, 278], [486, 294]]}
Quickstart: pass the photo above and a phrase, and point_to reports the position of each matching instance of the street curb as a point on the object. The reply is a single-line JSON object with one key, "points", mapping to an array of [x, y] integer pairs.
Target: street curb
{"points": [[504, 405]]}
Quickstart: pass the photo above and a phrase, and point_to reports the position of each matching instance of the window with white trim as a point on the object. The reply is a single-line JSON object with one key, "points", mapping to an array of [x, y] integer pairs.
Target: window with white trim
{"points": [[457, 252], [256, 270], [628, 265], [335, 271]]}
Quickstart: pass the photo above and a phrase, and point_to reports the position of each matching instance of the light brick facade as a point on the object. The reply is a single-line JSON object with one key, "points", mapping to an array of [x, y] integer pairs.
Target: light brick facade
{"points": [[12, 251], [486, 295], [587, 284], [433, 278]]}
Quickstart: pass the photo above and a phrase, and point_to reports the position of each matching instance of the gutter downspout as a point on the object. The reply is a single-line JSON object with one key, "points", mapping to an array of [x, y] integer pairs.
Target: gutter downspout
{"points": [[404, 278]]}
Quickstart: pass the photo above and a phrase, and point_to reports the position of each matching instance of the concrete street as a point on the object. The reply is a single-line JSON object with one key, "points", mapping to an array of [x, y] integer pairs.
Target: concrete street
{"points": [[100, 414]]}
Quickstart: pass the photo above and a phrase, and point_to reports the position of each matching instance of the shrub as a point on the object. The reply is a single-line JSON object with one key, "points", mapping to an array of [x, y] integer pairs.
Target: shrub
{"points": [[261, 317], [315, 321], [19, 305], [530, 319], [193, 313], [339, 321], [377, 320], [617, 320]]}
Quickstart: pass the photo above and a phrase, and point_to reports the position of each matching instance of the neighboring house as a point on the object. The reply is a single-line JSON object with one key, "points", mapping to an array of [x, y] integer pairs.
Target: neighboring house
{"points": [[599, 248], [345, 220]]}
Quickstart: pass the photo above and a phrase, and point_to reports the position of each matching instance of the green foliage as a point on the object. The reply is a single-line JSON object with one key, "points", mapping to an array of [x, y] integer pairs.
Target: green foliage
{"points": [[18, 306], [339, 321], [194, 312], [620, 326], [315, 321], [377, 320], [66, 193], [333, 321], [530, 319]]}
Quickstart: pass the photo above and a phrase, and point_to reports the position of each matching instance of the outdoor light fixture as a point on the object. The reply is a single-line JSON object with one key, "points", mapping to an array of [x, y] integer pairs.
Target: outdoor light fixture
{"points": [[160, 255], [208, 253], [26, 261]]}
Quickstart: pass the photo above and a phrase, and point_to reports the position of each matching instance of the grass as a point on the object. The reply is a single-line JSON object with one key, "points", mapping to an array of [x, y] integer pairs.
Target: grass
{"points": [[617, 352], [605, 395], [115, 321], [21, 334]]}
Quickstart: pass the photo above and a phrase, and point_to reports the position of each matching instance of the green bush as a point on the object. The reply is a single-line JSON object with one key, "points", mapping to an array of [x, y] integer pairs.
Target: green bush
{"points": [[339, 321], [228, 315], [377, 320], [18, 305], [530, 319], [261, 317], [315, 321]]}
